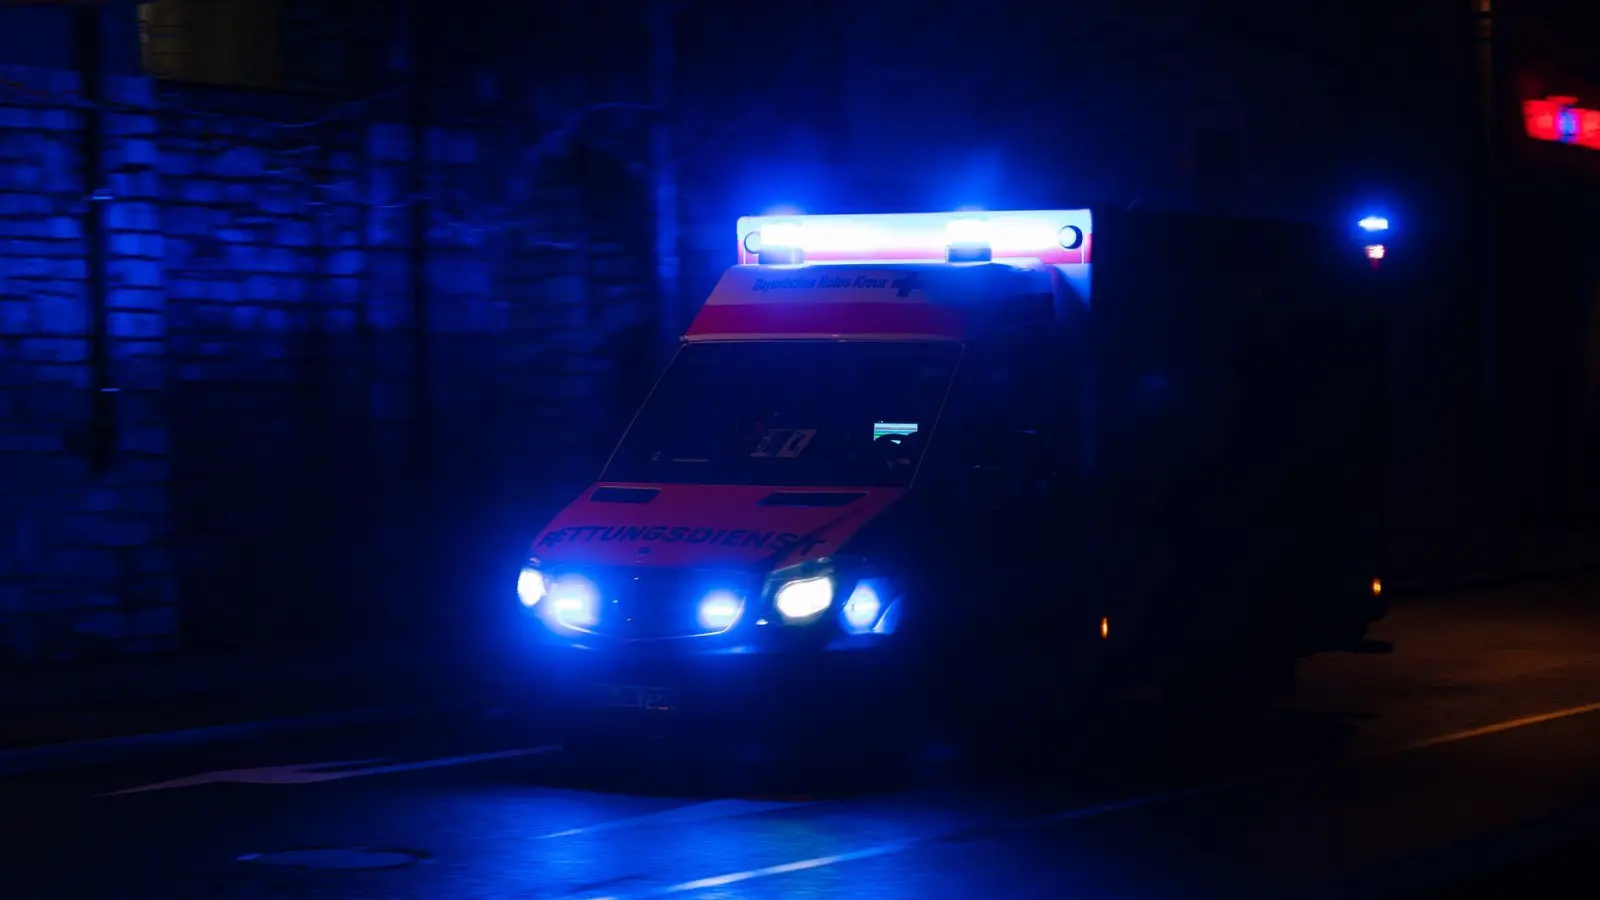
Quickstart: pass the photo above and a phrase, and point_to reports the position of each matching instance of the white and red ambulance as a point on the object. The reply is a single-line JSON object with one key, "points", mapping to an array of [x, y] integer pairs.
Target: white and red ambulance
{"points": [[932, 460]]}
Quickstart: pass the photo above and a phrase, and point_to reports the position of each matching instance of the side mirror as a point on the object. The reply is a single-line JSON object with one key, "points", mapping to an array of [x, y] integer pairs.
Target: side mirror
{"points": [[1005, 464], [986, 482]]}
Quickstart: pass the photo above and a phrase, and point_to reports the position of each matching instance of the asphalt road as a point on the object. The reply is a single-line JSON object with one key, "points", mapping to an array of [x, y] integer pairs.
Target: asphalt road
{"points": [[1472, 746]]}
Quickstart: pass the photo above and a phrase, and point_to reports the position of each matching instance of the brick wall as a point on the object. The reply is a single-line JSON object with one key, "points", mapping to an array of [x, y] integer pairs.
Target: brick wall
{"points": [[296, 455], [85, 558]]}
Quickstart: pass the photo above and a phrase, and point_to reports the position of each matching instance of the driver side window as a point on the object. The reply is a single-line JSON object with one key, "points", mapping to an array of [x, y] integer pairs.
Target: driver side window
{"points": [[1007, 411]]}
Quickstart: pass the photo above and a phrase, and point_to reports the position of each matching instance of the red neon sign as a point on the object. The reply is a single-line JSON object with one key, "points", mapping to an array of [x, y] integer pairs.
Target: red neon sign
{"points": [[1558, 119]]}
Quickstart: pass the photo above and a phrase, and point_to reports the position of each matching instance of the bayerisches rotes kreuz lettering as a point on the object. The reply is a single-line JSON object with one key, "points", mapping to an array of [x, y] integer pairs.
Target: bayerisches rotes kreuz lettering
{"points": [[901, 285], [775, 541]]}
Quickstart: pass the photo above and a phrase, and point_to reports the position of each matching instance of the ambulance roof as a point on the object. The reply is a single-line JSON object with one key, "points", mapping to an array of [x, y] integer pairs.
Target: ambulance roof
{"points": [[885, 277]]}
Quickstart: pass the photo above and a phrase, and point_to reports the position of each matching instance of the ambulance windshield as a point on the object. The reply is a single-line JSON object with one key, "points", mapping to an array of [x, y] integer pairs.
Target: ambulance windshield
{"points": [[790, 413]]}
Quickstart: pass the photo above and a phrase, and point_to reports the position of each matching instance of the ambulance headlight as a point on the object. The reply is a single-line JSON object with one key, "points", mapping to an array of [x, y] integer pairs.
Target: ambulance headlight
{"points": [[804, 599], [530, 586]]}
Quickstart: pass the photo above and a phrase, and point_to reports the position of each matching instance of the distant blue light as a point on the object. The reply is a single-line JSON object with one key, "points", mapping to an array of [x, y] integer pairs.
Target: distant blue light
{"points": [[1567, 124], [1374, 223]]}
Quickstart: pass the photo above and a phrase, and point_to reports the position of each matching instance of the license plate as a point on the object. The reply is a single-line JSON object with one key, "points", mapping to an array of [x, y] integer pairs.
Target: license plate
{"points": [[621, 696]]}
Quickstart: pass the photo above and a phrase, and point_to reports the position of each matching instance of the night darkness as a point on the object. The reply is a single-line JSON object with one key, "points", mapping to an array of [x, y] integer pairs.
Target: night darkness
{"points": [[1266, 555]]}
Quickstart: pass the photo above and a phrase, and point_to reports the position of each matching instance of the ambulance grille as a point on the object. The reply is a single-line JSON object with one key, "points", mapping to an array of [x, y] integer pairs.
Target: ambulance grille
{"points": [[654, 604]]}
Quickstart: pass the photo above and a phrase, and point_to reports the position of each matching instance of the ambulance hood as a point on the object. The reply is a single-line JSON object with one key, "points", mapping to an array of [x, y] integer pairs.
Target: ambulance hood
{"points": [[715, 526]]}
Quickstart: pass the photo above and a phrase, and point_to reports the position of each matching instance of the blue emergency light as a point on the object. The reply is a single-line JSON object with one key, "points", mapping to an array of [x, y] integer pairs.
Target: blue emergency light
{"points": [[1050, 236], [1373, 224]]}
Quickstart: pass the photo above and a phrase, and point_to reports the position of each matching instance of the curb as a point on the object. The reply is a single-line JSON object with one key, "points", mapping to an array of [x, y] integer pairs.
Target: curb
{"points": [[45, 757], [1498, 579], [410, 691]]}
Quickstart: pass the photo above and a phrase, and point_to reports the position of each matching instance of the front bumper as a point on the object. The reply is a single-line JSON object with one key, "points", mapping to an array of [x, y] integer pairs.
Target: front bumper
{"points": [[745, 687], [623, 643], [773, 682]]}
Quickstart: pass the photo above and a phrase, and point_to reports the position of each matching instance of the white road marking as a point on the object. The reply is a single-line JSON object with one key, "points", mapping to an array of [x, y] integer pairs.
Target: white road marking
{"points": [[817, 862], [694, 812], [1498, 727], [314, 773]]}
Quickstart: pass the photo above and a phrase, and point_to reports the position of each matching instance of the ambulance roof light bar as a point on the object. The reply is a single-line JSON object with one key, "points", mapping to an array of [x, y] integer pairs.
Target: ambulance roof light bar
{"points": [[1053, 236]]}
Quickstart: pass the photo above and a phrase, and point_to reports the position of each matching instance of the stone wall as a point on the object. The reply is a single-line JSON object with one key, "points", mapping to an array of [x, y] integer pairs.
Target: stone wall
{"points": [[305, 445], [85, 556]]}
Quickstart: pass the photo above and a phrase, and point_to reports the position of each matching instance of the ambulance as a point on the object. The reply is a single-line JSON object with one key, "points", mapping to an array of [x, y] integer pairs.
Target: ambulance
{"points": [[930, 464]]}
